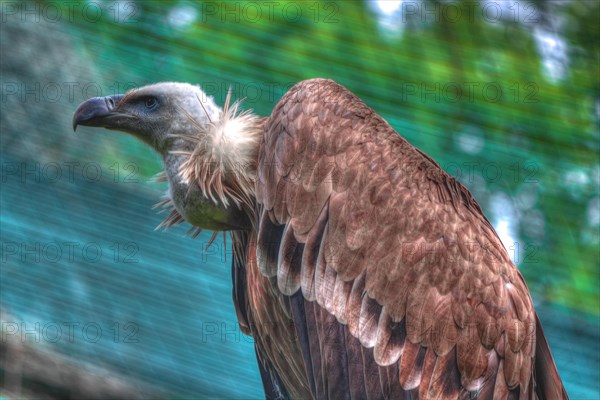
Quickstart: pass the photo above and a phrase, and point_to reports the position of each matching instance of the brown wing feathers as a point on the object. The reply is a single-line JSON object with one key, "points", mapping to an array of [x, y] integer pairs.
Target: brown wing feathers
{"points": [[408, 290]]}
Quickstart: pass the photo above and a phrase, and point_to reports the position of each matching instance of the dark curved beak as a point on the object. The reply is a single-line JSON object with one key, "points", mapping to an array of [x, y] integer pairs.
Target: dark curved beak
{"points": [[96, 111]]}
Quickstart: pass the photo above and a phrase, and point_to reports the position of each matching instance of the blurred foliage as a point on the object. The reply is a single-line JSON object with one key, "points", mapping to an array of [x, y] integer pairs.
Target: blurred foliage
{"points": [[433, 75]]}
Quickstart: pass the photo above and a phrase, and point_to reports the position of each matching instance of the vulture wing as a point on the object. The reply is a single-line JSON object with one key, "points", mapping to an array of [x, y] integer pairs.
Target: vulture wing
{"points": [[391, 280]]}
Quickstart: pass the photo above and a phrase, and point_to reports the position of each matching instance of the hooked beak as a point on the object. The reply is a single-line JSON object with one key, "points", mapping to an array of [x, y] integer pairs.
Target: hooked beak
{"points": [[98, 111]]}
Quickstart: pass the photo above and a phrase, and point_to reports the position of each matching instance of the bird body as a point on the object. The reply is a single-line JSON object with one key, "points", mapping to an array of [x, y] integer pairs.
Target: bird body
{"points": [[361, 268]]}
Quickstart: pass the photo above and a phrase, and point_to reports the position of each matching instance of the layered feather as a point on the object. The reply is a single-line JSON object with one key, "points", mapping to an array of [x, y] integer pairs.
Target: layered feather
{"points": [[396, 250]]}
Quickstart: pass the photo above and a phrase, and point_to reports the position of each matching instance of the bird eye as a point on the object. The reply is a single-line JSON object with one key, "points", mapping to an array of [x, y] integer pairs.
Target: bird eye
{"points": [[151, 102]]}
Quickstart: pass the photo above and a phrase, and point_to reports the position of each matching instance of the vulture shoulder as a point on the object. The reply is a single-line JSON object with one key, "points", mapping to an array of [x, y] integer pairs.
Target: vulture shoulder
{"points": [[396, 283]]}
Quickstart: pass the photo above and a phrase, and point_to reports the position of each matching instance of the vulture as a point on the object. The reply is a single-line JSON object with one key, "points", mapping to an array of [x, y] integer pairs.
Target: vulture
{"points": [[361, 268]]}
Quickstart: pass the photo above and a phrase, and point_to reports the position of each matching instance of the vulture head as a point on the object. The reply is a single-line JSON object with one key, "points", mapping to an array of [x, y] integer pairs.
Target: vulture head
{"points": [[209, 153]]}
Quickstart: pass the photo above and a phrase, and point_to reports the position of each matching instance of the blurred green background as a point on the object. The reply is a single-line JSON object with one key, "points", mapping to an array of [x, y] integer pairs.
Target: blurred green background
{"points": [[505, 95]]}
